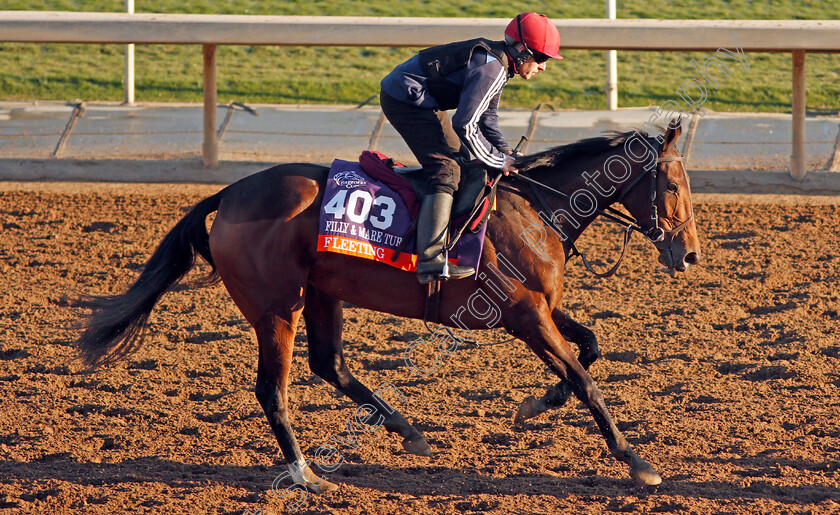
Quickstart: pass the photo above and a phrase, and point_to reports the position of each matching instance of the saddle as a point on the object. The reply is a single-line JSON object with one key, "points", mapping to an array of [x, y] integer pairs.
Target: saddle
{"points": [[473, 182], [473, 196]]}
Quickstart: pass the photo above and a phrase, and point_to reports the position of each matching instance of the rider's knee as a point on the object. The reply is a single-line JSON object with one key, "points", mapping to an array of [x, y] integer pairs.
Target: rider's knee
{"points": [[445, 179]]}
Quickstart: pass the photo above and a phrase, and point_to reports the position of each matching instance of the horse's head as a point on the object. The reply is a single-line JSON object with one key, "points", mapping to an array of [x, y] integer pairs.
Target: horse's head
{"points": [[663, 207]]}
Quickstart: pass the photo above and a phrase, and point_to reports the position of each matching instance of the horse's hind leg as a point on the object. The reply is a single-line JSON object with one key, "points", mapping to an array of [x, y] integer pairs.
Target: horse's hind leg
{"points": [[557, 395], [276, 335], [323, 316]]}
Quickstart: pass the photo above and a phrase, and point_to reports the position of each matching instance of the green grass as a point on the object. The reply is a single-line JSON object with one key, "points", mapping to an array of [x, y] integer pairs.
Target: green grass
{"points": [[349, 75]]}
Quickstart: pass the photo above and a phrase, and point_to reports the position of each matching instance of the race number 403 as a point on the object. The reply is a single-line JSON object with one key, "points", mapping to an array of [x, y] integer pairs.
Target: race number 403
{"points": [[360, 206]]}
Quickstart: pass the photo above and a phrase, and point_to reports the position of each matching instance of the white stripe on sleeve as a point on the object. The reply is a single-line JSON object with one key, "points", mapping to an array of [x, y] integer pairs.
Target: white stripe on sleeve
{"points": [[472, 129]]}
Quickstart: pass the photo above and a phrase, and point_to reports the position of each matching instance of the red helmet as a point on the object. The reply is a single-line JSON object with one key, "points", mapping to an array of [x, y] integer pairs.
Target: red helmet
{"points": [[536, 32]]}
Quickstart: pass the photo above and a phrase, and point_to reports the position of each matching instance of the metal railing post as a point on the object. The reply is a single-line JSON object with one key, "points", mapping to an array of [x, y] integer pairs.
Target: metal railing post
{"points": [[612, 66], [797, 157], [210, 148], [129, 61]]}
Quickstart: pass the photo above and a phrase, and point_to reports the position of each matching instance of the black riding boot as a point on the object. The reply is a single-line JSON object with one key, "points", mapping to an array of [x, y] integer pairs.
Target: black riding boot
{"points": [[432, 225]]}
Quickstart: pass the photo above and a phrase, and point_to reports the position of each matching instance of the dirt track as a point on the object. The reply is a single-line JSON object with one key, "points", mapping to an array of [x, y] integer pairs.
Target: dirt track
{"points": [[726, 379]]}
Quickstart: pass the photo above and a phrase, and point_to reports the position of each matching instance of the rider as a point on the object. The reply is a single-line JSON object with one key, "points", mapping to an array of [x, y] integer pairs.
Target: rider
{"points": [[467, 76]]}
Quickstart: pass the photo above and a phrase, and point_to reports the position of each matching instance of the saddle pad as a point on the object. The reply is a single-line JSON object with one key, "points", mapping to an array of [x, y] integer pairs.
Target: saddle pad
{"points": [[365, 218]]}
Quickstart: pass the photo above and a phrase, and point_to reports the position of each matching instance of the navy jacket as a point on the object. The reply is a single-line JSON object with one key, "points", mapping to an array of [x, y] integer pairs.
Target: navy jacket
{"points": [[479, 84]]}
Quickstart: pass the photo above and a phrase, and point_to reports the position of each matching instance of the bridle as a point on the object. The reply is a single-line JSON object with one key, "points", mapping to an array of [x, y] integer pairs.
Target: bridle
{"points": [[655, 233]]}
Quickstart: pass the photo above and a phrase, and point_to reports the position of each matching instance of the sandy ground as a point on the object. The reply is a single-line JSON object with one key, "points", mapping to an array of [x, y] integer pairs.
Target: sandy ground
{"points": [[725, 379]]}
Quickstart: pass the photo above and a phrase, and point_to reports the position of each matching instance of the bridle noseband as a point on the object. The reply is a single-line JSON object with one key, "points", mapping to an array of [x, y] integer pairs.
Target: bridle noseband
{"points": [[655, 233]]}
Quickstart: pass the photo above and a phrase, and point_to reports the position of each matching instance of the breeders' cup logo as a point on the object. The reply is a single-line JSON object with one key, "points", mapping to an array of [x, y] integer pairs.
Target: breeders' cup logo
{"points": [[349, 179]]}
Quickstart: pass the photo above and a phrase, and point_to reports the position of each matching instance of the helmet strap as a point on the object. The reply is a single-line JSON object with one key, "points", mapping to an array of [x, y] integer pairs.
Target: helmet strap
{"points": [[520, 56]]}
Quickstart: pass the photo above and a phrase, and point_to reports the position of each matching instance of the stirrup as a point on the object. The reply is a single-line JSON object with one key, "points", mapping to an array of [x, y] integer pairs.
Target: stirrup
{"points": [[444, 274], [454, 271], [449, 272]]}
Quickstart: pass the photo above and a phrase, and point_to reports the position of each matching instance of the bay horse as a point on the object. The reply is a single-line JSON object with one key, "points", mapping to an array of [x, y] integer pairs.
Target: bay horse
{"points": [[262, 245]]}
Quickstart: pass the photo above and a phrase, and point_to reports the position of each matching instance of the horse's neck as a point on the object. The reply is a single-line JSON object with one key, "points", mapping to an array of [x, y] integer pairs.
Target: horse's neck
{"points": [[590, 182]]}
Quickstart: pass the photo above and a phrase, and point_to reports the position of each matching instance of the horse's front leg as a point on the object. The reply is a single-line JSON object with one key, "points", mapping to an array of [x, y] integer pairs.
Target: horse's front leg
{"points": [[543, 337], [557, 395]]}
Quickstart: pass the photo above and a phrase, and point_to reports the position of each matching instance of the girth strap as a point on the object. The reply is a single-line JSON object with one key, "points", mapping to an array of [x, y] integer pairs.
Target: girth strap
{"points": [[432, 311]]}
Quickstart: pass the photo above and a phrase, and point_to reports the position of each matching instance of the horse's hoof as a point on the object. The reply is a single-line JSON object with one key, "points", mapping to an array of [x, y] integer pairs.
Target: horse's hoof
{"points": [[321, 488], [419, 447], [528, 409], [646, 476]]}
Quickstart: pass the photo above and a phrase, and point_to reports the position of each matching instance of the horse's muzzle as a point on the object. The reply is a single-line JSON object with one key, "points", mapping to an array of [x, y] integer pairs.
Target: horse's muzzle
{"points": [[680, 261]]}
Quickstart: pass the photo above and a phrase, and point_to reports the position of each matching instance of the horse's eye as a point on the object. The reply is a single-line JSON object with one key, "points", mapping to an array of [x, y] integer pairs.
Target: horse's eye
{"points": [[672, 187]]}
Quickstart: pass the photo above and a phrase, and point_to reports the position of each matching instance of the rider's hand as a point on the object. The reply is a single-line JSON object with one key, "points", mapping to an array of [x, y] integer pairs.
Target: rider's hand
{"points": [[509, 166]]}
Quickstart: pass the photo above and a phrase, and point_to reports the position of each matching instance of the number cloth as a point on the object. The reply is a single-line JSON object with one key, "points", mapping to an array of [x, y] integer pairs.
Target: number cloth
{"points": [[365, 218]]}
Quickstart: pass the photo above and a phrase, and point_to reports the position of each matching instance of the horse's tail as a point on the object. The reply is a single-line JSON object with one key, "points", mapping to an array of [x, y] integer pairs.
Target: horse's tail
{"points": [[115, 327]]}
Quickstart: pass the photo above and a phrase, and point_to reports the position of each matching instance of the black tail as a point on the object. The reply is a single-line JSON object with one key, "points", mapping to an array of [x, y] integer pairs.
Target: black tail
{"points": [[115, 327]]}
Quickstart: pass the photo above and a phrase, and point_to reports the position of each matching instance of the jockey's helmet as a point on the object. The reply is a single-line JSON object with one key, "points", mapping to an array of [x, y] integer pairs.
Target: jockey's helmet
{"points": [[537, 33]]}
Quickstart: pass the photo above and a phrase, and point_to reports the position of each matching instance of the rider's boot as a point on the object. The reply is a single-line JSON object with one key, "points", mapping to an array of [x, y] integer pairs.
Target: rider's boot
{"points": [[432, 228]]}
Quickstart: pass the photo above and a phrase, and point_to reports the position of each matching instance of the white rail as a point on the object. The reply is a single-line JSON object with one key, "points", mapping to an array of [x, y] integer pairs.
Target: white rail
{"points": [[794, 36]]}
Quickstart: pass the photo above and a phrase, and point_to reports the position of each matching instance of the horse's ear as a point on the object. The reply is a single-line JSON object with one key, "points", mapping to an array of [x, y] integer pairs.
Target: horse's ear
{"points": [[672, 133]]}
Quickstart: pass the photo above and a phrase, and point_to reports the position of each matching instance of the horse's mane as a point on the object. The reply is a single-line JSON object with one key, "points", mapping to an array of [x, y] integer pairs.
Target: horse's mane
{"points": [[553, 157]]}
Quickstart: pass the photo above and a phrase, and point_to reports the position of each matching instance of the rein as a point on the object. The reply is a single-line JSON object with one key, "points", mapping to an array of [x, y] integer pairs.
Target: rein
{"points": [[655, 234]]}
